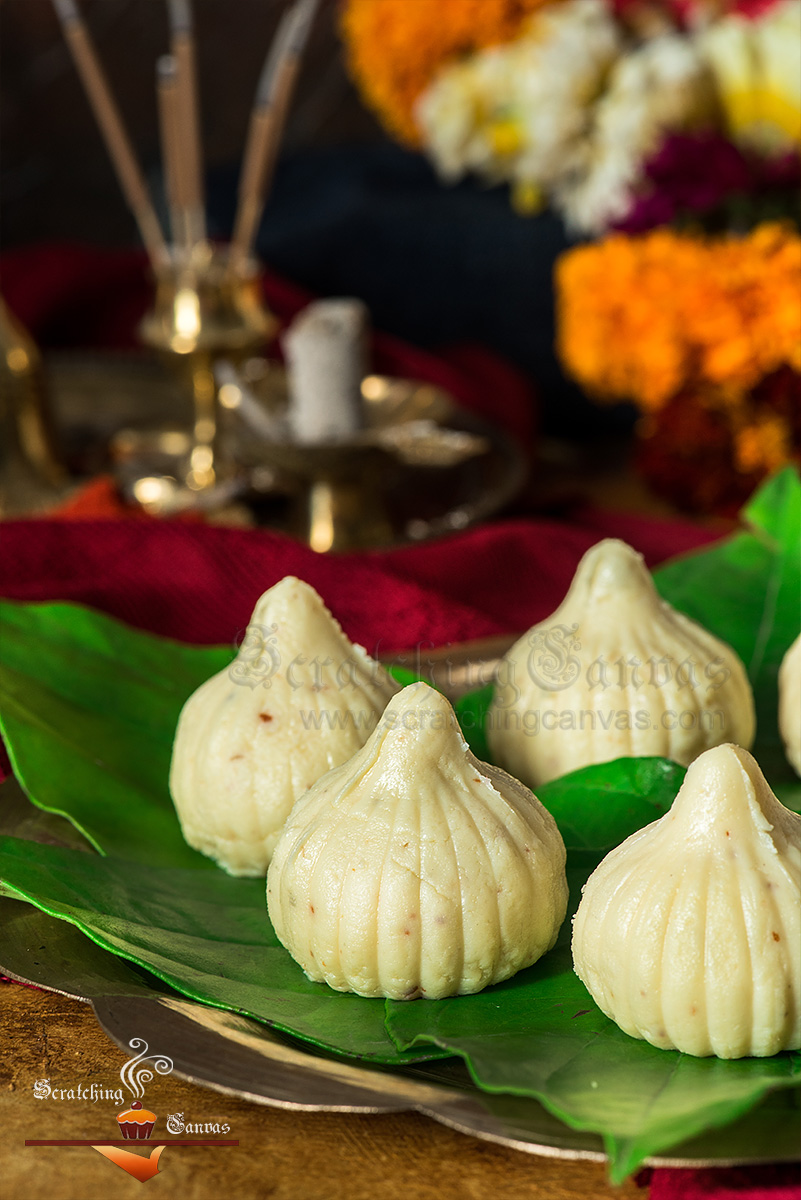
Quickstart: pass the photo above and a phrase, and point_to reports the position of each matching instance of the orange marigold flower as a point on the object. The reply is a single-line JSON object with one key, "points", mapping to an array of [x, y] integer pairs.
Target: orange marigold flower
{"points": [[395, 47], [641, 318], [763, 446]]}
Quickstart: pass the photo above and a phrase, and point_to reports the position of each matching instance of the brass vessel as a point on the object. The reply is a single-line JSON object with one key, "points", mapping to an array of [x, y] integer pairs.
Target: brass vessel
{"points": [[31, 472], [202, 312]]}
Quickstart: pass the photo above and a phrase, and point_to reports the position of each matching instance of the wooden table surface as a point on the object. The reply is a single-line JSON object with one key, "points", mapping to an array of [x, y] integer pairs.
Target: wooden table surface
{"points": [[281, 1155]]}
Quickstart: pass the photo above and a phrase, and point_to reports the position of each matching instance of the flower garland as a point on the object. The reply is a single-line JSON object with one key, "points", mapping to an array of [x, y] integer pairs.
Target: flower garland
{"points": [[395, 47], [641, 318], [704, 336], [705, 176], [568, 100], [629, 115]]}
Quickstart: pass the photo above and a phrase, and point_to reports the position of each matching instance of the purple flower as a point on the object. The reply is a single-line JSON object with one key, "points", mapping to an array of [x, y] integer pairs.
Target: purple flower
{"points": [[696, 173]]}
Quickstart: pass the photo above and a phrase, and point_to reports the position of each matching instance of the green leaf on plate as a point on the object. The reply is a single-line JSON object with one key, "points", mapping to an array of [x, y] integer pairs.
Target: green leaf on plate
{"points": [[747, 590], [598, 807], [471, 711], [205, 933], [541, 1035], [88, 709], [403, 675]]}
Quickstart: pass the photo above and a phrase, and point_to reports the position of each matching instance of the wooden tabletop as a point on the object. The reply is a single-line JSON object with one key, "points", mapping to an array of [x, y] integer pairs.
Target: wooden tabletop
{"points": [[282, 1155]]}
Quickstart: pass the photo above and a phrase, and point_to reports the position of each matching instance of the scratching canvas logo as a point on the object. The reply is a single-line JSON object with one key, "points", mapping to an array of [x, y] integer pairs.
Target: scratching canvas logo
{"points": [[136, 1123]]}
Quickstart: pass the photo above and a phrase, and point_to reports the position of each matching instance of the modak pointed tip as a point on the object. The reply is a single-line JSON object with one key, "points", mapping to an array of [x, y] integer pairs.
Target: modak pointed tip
{"points": [[290, 593], [611, 566], [724, 756], [419, 694], [419, 713], [726, 761], [615, 672], [726, 786]]}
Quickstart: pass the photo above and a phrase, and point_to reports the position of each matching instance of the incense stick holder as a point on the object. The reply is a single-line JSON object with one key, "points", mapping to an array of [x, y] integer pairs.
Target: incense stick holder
{"points": [[203, 311]]}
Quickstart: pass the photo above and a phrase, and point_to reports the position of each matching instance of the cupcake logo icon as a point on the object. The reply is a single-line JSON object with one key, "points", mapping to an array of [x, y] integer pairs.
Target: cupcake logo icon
{"points": [[137, 1123]]}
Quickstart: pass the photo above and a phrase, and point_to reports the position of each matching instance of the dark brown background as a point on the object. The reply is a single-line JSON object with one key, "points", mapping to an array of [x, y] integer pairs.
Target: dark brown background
{"points": [[56, 180]]}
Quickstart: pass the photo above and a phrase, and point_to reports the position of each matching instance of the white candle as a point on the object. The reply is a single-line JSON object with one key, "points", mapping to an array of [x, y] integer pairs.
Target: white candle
{"points": [[326, 351]]}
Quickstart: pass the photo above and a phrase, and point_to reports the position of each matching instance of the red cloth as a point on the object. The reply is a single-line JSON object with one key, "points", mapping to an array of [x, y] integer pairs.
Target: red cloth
{"points": [[200, 583], [736, 1183]]}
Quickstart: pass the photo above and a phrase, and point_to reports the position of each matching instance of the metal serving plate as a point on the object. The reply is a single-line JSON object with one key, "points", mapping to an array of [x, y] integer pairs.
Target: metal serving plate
{"points": [[240, 1057], [126, 413]]}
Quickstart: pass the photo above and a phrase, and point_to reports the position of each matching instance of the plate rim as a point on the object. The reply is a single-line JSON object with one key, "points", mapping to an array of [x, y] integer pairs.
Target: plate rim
{"points": [[315, 1064]]}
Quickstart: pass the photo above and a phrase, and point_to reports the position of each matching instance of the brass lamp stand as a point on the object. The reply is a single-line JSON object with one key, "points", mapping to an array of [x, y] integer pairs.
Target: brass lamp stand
{"points": [[204, 311]]}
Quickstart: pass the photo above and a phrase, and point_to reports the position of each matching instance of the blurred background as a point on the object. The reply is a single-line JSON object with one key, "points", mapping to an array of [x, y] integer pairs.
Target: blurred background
{"points": [[432, 165], [51, 144]]}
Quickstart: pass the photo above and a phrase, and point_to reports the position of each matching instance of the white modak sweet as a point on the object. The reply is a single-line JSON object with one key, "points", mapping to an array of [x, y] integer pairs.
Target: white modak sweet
{"points": [[298, 699], [615, 672], [687, 934], [790, 703], [414, 869]]}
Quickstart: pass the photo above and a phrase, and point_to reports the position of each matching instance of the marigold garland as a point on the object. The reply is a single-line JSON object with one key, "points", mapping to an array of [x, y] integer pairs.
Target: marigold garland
{"points": [[394, 47], [641, 318], [704, 336]]}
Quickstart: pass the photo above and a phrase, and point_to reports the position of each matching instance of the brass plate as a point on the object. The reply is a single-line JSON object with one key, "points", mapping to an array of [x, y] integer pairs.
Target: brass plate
{"points": [[97, 395]]}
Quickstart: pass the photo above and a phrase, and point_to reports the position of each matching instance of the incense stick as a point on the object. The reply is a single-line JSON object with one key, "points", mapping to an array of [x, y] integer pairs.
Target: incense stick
{"points": [[273, 95], [174, 181], [188, 116], [114, 134]]}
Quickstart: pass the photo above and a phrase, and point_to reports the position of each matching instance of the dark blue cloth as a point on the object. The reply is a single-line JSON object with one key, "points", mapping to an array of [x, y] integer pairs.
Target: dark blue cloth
{"points": [[435, 264]]}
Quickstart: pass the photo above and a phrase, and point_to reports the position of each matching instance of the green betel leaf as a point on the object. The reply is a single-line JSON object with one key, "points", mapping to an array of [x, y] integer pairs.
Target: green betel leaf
{"points": [[205, 933], [746, 589], [471, 711], [88, 709], [597, 808], [541, 1035]]}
